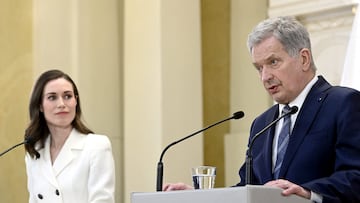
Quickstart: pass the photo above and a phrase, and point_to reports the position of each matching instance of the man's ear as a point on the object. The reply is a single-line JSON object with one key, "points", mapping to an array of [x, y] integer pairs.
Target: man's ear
{"points": [[305, 57]]}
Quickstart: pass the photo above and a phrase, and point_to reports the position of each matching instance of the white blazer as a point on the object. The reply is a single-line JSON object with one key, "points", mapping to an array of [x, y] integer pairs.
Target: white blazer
{"points": [[83, 172]]}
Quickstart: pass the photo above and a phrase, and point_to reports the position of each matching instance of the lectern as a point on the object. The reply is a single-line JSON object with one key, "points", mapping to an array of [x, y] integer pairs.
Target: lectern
{"points": [[246, 194]]}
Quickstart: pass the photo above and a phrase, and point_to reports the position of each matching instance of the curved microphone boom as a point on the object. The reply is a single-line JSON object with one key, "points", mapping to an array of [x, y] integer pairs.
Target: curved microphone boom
{"points": [[13, 147], [236, 115], [249, 161], [27, 140]]}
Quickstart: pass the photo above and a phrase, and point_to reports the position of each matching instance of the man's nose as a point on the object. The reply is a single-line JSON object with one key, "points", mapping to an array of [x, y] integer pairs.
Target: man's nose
{"points": [[266, 74]]}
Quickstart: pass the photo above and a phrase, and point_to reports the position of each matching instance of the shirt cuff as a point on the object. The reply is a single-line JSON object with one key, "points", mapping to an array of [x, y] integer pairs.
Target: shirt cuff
{"points": [[315, 197]]}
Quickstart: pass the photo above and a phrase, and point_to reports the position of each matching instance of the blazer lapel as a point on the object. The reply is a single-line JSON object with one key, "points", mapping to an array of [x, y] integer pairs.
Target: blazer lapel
{"points": [[305, 118], [45, 163], [74, 141], [268, 147]]}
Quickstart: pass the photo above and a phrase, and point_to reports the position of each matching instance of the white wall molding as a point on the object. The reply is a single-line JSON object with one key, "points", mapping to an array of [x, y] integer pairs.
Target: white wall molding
{"points": [[329, 23], [306, 7]]}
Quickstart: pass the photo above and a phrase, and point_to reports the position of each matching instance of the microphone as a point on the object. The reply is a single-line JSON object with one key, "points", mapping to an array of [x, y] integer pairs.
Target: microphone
{"points": [[27, 140], [13, 147], [249, 161], [236, 115]]}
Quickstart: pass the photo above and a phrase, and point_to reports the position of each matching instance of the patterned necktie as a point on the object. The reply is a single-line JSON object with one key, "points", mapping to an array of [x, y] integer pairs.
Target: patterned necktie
{"points": [[283, 141]]}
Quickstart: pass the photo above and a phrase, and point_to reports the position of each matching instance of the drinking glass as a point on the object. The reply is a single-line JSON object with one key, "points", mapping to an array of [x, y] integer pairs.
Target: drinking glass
{"points": [[203, 177]]}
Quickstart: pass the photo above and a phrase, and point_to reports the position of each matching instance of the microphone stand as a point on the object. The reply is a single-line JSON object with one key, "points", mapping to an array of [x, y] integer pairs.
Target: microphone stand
{"points": [[13, 147], [249, 159], [160, 166]]}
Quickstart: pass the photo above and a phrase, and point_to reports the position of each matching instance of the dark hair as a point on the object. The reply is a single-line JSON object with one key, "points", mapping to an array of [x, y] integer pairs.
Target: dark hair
{"points": [[38, 131]]}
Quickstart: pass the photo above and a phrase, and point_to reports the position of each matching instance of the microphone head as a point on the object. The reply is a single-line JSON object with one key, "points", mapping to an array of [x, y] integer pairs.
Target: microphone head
{"points": [[37, 155], [29, 140], [293, 109], [238, 115]]}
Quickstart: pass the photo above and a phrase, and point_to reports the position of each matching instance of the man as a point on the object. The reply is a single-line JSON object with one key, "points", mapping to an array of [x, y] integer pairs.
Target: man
{"points": [[320, 157]]}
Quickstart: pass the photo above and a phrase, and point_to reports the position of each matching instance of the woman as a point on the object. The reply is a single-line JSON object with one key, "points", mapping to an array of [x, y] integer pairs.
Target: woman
{"points": [[65, 161]]}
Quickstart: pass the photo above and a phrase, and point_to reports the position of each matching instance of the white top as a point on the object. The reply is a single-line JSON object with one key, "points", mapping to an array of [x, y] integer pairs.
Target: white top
{"points": [[83, 171]]}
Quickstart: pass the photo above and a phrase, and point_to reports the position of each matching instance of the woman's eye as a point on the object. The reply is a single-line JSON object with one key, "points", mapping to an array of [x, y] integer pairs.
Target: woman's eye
{"points": [[51, 97], [69, 96]]}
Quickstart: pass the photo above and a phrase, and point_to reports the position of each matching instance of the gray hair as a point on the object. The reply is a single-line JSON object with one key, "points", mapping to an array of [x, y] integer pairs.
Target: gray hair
{"points": [[290, 32]]}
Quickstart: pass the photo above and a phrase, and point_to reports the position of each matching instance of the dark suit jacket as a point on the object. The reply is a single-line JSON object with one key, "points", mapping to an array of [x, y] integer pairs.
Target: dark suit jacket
{"points": [[323, 154]]}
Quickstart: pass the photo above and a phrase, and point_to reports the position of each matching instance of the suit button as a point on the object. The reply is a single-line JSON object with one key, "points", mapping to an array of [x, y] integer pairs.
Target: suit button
{"points": [[57, 192], [40, 196]]}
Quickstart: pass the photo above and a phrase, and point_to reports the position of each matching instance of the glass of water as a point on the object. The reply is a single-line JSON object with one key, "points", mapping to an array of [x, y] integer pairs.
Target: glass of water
{"points": [[203, 177]]}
